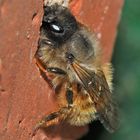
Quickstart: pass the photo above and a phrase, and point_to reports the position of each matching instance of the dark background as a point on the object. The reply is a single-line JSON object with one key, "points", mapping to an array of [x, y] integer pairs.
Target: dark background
{"points": [[126, 62]]}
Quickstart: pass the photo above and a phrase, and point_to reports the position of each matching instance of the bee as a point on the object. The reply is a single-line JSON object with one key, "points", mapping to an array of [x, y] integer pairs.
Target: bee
{"points": [[69, 54]]}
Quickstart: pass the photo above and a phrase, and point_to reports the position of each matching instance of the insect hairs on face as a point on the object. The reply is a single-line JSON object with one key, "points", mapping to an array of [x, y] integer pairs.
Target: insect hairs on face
{"points": [[69, 55]]}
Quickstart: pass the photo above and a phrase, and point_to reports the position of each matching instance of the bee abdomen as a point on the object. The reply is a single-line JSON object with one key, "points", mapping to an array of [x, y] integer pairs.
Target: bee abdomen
{"points": [[82, 112]]}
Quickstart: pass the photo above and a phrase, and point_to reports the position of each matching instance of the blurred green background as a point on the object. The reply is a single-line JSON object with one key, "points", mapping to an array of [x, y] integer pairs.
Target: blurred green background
{"points": [[126, 61]]}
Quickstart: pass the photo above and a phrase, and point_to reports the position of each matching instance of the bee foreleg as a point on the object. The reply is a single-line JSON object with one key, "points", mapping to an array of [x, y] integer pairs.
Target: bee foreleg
{"points": [[56, 70]]}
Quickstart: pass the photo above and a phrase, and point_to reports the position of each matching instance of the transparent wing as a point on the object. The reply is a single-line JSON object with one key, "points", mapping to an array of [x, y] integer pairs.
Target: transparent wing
{"points": [[96, 85]]}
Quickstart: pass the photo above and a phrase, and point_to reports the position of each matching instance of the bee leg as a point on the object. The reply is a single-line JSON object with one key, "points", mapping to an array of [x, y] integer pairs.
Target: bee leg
{"points": [[56, 70], [49, 120], [40, 65], [69, 97], [56, 117]]}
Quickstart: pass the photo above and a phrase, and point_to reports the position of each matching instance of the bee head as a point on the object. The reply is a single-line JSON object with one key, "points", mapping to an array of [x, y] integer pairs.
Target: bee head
{"points": [[62, 30], [58, 23]]}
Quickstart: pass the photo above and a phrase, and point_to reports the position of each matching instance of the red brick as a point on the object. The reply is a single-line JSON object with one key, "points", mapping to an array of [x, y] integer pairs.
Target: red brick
{"points": [[24, 96]]}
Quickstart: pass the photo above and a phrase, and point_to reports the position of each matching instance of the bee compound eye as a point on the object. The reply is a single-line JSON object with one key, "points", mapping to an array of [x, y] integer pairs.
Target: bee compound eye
{"points": [[55, 27]]}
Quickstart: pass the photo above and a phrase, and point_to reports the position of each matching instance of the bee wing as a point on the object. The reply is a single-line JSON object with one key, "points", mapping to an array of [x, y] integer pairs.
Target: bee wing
{"points": [[97, 87]]}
